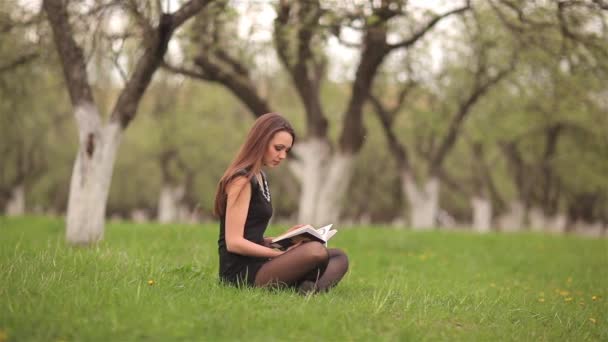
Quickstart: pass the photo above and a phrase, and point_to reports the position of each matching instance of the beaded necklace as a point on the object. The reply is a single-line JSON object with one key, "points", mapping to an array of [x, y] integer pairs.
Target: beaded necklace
{"points": [[265, 188]]}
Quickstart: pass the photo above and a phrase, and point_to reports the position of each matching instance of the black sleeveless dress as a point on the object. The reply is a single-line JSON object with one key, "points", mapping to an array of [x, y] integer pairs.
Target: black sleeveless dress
{"points": [[240, 269]]}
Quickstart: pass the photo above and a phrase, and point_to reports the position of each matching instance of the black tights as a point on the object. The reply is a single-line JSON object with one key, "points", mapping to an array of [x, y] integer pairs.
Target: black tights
{"points": [[310, 263]]}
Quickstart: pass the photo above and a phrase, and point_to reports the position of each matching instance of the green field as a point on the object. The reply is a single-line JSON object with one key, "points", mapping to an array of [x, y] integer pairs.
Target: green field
{"points": [[153, 282]]}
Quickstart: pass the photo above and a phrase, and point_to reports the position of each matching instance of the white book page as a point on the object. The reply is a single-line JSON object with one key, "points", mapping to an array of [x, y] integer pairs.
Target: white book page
{"points": [[325, 232], [295, 232], [330, 234]]}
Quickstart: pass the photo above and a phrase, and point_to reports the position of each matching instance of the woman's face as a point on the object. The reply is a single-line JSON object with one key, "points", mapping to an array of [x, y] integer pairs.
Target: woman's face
{"points": [[278, 148]]}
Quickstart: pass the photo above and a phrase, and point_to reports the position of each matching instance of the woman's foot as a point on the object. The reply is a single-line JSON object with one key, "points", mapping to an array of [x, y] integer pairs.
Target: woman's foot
{"points": [[307, 287]]}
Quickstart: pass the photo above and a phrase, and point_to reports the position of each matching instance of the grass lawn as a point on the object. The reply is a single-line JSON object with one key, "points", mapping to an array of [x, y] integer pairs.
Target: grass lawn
{"points": [[153, 282]]}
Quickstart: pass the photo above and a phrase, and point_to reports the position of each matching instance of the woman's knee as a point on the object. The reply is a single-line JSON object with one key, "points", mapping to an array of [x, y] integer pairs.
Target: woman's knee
{"points": [[316, 251], [339, 256]]}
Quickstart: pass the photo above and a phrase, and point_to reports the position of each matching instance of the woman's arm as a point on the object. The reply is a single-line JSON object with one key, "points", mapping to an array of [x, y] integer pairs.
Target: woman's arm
{"points": [[237, 205]]}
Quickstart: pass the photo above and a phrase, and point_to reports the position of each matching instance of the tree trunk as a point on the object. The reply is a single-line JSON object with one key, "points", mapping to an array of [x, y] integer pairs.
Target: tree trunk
{"points": [[337, 178], [16, 203], [595, 229], [324, 179], [557, 223], [423, 203], [90, 182], [539, 221], [513, 220], [482, 214], [537, 218], [169, 203]]}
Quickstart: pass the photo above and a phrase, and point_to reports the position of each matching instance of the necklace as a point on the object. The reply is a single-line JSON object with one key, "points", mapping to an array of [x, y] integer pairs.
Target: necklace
{"points": [[265, 189]]}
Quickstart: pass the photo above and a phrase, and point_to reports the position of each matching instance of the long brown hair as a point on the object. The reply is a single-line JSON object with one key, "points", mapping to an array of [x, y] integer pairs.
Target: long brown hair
{"points": [[251, 153]]}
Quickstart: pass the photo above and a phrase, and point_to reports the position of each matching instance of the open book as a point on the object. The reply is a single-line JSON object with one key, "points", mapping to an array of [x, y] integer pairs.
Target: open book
{"points": [[306, 233]]}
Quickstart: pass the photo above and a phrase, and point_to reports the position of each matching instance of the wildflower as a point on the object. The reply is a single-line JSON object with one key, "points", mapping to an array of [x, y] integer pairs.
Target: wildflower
{"points": [[493, 285], [594, 298], [151, 282], [592, 320], [542, 300], [569, 299], [564, 293]]}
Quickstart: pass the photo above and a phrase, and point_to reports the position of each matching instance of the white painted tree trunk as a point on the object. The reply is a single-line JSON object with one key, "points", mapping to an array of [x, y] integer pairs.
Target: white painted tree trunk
{"points": [[324, 180], [91, 177], [595, 229], [335, 185], [546, 223], [557, 223], [513, 220], [16, 203], [423, 202], [169, 203], [537, 219], [482, 214]]}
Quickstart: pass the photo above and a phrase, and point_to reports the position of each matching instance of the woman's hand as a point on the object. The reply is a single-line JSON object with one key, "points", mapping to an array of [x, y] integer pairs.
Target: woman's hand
{"points": [[268, 241], [294, 245]]}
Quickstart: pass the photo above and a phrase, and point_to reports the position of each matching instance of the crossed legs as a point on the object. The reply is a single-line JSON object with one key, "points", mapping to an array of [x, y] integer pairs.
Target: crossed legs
{"points": [[308, 265]]}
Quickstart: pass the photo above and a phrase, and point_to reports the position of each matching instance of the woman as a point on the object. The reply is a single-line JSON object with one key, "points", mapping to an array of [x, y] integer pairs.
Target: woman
{"points": [[243, 204]]}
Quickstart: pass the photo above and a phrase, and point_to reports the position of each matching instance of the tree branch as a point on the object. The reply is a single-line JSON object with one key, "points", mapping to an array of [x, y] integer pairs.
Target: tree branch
{"points": [[21, 60], [299, 59], [155, 47], [386, 118], [464, 108], [188, 10], [427, 27], [601, 4], [186, 72], [72, 58]]}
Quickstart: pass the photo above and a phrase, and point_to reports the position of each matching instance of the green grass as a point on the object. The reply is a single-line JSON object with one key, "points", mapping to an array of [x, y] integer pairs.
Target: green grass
{"points": [[402, 285]]}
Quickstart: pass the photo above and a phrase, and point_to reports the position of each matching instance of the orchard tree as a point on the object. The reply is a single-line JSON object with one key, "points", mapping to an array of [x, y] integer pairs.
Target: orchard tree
{"points": [[301, 31], [99, 141], [469, 76]]}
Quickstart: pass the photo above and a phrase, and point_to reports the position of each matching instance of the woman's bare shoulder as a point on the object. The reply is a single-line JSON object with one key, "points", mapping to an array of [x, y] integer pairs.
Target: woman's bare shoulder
{"points": [[237, 184]]}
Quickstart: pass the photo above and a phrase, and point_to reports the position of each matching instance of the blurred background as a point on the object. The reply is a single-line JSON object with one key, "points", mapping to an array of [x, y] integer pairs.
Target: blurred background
{"points": [[483, 115]]}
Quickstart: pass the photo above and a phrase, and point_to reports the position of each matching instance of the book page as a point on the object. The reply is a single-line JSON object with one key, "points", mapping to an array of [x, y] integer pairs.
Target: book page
{"points": [[306, 229], [323, 231], [330, 234]]}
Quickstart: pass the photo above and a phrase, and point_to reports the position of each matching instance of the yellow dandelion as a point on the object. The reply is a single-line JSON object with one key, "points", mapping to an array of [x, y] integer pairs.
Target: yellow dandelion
{"points": [[542, 300], [151, 282], [592, 320], [569, 299], [564, 293], [594, 298]]}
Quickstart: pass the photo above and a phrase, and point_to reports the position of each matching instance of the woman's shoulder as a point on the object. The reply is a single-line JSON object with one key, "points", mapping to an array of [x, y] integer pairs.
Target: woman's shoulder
{"points": [[237, 183], [241, 172], [244, 176]]}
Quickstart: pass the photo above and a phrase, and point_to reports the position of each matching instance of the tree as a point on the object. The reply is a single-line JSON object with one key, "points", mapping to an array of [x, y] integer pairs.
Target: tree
{"points": [[422, 191], [565, 68], [301, 29], [24, 83], [99, 142]]}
